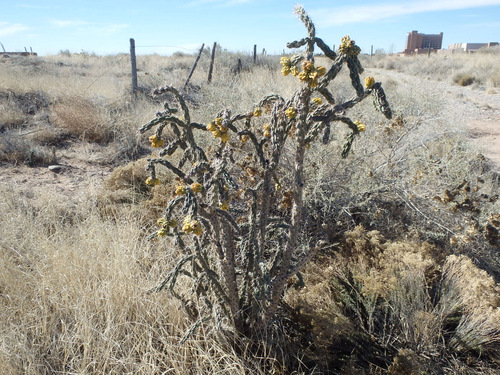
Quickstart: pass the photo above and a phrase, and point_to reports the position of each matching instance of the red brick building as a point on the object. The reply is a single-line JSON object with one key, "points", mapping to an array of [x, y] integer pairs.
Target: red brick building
{"points": [[421, 43]]}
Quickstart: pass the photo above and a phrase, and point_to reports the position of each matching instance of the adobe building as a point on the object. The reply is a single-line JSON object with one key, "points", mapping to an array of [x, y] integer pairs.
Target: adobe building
{"points": [[469, 47], [422, 43]]}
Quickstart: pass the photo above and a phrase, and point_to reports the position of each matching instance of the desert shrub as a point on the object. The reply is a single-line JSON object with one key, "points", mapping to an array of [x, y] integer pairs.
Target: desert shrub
{"points": [[495, 80], [16, 149], [83, 119], [463, 79], [401, 306]]}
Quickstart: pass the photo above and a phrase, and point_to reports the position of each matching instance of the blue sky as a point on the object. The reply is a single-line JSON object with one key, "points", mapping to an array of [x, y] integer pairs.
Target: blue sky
{"points": [[105, 27]]}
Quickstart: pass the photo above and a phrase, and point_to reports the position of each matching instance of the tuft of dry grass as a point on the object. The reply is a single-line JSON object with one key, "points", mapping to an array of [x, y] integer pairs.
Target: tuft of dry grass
{"points": [[83, 119]]}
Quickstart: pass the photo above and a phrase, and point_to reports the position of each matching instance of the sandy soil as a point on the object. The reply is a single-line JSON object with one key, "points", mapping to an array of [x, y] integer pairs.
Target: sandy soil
{"points": [[477, 108], [83, 170]]}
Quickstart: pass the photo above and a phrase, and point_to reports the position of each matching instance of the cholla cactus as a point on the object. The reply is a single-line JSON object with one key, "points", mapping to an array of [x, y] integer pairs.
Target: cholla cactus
{"points": [[239, 247]]}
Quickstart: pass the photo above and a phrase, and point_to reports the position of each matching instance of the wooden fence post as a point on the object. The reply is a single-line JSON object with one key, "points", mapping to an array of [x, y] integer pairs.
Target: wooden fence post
{"points": [[134, 66], [194, 65], [254, 53], [211, 63]]}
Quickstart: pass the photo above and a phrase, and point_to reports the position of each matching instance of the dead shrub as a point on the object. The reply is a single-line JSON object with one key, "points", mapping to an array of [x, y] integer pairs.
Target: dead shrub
{"points": [[129, 178], [83, 119], [390, 302], [18, 150], [464, 79]]}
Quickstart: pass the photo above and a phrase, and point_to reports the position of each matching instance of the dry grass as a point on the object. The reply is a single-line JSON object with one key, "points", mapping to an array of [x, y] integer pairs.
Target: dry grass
{"points": [[75, 277], [74, 290], [444, 67]]}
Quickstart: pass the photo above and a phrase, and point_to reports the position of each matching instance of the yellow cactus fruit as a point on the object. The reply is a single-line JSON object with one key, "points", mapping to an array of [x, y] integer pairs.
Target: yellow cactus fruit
{"points": [[162, 222], [361, 127], [369, 82], [152, 181], [180, 190], [257, 112], [291, 113], [224, 137], [321, 70], [224, 206], [308, 65], [219, 121], [317, 101], [294, 70], [285, 71], [186, 224], [217, 133], [156, 142], [244, 138], [197, 187], [303, 75], [162, 232], [285, 61], [211, 127]]}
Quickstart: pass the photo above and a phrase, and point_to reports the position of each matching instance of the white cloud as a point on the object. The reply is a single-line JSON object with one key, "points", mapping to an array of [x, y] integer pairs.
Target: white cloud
{"points": [[68, 23], [7, 28], [364, 13], [90, 27], [104, 29], [219, 3]]}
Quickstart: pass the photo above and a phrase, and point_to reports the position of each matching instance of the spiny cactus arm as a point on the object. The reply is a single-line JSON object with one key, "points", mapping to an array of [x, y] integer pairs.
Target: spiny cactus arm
{"points": [[311, 30], [258, 145], [324, 47], [223, 239], [348, 144], [170, 148], [354, 70], [213, 278], [298, 43], [313, 132], [351, 102], [229, 219], [327, 95], [198, 169], [270, 99], [332, 72], [380, 100], [166, 163], [178, 96], [265, 208], [150, 124], [171, 278], [171, 206], [193, 329], [305, 258]]}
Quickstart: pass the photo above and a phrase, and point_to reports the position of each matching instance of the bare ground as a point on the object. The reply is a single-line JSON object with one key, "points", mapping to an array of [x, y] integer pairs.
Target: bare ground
{"points": [[478, 109]]}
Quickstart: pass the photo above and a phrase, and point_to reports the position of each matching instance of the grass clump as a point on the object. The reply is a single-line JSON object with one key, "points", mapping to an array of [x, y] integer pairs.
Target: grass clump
{"points": [[463, 79]]}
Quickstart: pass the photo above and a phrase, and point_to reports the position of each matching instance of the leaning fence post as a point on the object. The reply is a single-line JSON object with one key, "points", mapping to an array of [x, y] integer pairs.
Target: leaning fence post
{"points": [[211, 63], [134, 66], [194, 65]]}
